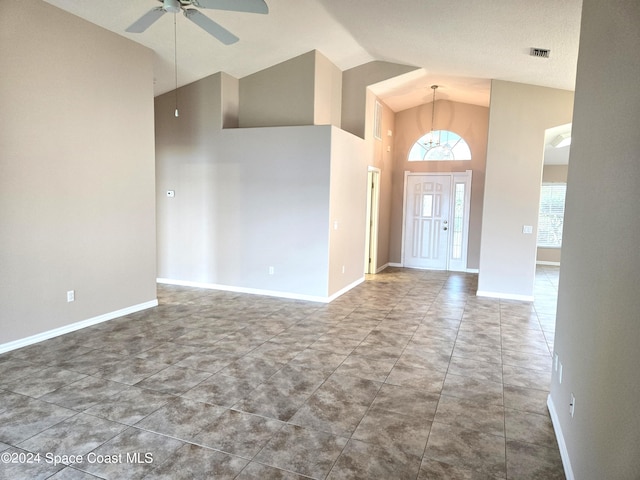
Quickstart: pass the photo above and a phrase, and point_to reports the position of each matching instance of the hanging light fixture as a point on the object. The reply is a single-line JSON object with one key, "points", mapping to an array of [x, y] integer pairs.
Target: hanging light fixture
{"points": [[432, 143], [175, 55]]}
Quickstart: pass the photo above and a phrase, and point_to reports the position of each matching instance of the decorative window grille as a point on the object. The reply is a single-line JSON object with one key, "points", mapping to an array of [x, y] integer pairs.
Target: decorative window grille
{"points": [[440, 145]]}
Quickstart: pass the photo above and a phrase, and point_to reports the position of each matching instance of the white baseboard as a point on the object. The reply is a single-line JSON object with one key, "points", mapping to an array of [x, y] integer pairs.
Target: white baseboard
{"points": [[378, 270], [393, 264], [543, 262], [23, 342], [564, 453], [505, 296], [472, 270], [345, 289], [258, 291]]}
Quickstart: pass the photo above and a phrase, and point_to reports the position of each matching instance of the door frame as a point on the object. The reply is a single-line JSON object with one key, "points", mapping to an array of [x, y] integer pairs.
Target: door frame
{"points": [[373, 212], [456, 177]]}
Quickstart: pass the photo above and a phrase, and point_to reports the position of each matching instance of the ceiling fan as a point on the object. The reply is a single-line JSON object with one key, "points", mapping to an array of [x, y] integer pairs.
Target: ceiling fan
{"points": [[204, 22]]}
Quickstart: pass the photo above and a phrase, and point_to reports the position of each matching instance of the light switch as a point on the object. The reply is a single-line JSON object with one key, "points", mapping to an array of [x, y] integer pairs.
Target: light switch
{"points": [[528, 229]]}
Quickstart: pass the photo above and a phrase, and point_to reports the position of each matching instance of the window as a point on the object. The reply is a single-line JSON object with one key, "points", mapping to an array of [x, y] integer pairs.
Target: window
{"points": [[551, 217], [377, 121], [440, 145], [458, 219]]}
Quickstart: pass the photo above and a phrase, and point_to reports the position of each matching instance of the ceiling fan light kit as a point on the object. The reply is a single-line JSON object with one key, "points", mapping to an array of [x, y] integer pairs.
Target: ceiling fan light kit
{"points": [[171, 6]]}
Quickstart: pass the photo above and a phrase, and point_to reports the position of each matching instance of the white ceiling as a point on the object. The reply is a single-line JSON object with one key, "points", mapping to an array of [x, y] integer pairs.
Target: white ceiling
{"points": [[458, 44]]}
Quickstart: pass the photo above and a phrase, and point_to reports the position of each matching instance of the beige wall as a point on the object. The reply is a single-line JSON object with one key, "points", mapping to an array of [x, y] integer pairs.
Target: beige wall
{"points": [[230, 100], [379, 152], [327, 92], [552, 174], [519, 116], [354, 91], [305, 90], [248, 199], [555, 173], [348, 205], [282, 95], [598, 327], [471, 123], [76, 172]]}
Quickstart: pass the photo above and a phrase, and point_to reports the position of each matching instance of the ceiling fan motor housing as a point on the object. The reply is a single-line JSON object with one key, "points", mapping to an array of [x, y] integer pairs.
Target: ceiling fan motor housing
{"points": [[171, 6]]}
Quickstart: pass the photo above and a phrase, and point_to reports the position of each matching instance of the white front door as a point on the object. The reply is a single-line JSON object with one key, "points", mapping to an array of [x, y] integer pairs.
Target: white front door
{"points": [[426, 239]]}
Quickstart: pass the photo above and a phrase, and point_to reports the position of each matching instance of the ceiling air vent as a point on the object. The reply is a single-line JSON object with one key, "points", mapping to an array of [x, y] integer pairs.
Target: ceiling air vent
{"points": [[540, 52]]}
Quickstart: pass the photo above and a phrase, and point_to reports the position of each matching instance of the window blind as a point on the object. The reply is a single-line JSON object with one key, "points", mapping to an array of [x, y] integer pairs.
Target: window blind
{"points": [[551, 216]]}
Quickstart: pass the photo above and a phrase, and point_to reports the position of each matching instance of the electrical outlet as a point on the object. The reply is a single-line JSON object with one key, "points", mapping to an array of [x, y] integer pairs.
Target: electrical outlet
{"points": [[555, 362], [572, 405], [272, 271], [71, 296]]}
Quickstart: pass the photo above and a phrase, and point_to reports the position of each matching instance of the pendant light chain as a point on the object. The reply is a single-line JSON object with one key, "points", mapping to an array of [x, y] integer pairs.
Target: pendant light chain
{"points": [[433, 116], [175, 58]]}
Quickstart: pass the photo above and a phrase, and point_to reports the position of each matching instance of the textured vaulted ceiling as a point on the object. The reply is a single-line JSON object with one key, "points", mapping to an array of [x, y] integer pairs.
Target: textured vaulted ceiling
{"points": [[458, 44]]}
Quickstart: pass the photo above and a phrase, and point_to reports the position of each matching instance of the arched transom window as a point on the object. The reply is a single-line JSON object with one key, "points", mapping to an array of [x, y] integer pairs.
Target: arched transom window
{"points": [[440, 145]]}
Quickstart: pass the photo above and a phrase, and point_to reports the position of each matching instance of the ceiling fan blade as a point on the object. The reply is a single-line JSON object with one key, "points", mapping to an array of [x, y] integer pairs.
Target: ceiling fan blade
{"points": [[211, 27], [250, 6], [146, 20]]}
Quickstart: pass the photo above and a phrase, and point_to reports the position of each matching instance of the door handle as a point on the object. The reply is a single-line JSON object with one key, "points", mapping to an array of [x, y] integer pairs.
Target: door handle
{"points": [[445, 228]]}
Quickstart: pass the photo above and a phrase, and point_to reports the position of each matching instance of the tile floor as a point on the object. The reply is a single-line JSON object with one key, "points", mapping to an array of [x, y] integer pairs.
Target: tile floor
{"points": [[407, 376]]}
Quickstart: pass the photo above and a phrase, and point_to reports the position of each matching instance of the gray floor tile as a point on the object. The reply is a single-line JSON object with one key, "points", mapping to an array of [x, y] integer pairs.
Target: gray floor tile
{"points": [[132, 454], [470, 415], [408, 358], [530, 427], [406, 400], [421, 378], [526, 399], [84, 393], [467, 448], [434, 470], [323, 414], [192, 461], [239, 433], [479, 391], [474, 368], [303, 451], [19, 466], [70, 473], [27, 417], [533, 462], [257, 471], [365, 460], [181, 418], [174, 380], [366, 367], [43, 381], [222, 390], [395, 430], [340, 388], [130, 405], [77, 435], [130, 371]]}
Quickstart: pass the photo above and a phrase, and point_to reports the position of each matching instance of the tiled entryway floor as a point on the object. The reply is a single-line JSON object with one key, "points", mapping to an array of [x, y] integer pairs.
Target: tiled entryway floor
{"points": [[407, 376]]}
